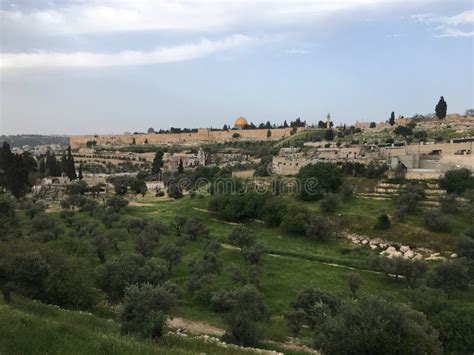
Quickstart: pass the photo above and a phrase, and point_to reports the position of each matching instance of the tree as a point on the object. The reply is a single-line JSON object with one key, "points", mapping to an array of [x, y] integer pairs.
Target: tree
{"points": [[441, 108], [319, 228], [437, 221], [80, 172], [178, 224], [45, 228], [180, 167], [448, 203], [116, 203], [269, 133], [273, 211], [24, 273], [372, 125], [457, 181], [254, 253], [143, 310], [310, 308], [172, 254], [354, 282], [329, 135], [404, 131], [195, 228], [383, 222], [242, 321], [242, 237], [318, 179], [70, 285], [347, 191], [449, 276], [15, 170], [329, 203], [373, 325], [70, 168], [115, 275], [392, 118], [296, 219], [157, 162], [174, 190], [138, 186]]}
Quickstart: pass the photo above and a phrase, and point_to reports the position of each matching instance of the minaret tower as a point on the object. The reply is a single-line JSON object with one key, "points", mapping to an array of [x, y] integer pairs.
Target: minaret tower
{"points": [[328, 121]]}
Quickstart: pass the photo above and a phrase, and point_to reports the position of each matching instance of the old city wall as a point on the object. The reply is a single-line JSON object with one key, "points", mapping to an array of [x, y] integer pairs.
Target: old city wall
{"points": [[202, 135]]}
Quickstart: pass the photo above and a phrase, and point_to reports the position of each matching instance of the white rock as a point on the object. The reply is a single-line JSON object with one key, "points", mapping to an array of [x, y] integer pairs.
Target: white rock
{"points": [[454, 255], [365, 241], [409, 254], [373, 247], [404, 248], [417, 256]]}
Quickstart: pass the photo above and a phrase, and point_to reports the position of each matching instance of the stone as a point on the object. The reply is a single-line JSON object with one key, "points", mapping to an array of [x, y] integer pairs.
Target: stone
{"points": [[365, 241], [454, 255], [404, 248], [409, 254], [373, 247]]}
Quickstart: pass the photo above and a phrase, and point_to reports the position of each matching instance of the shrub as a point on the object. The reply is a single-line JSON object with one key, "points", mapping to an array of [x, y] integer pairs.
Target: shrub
{"points": [[329, 203], [354, 282], [374, 325], [347, 191], [319, 228], [436, 221], [143, 310], [383, 222], [449, 276], [448, 203], [318, 179], [296, 219], [254, 253], [242, 237], [457, 181]]}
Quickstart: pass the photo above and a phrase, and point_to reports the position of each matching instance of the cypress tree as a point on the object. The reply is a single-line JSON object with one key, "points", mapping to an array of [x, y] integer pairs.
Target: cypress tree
{"points": [[392, 118], [80, 172], [180, 167], [157, 162], [70, 168], [441, 108]]}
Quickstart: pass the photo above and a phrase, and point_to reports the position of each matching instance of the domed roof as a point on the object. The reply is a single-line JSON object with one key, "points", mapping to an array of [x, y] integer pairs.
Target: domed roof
{"points": [[240, 121]]}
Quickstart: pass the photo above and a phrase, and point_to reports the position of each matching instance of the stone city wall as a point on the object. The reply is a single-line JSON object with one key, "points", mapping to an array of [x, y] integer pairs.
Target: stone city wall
{"points": [[202, 135]]}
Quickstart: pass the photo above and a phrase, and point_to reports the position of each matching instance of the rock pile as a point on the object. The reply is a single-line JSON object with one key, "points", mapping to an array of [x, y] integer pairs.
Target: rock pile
{"points": [[396, 250]]}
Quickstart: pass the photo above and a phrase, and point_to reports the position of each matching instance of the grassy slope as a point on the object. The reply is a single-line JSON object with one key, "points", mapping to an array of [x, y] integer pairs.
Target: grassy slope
{"points": [[284, 275], [298, 262]]}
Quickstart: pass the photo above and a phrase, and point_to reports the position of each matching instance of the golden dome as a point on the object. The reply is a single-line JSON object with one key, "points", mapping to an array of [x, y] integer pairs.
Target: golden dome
{"points": [[240, 122]]}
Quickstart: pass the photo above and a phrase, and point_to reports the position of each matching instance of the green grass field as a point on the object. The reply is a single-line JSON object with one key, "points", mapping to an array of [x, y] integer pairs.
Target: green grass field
{"points": [[293, 262]]}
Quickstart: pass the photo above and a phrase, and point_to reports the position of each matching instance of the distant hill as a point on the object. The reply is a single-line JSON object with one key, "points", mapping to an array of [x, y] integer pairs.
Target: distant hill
{"points": [[34, 140]]}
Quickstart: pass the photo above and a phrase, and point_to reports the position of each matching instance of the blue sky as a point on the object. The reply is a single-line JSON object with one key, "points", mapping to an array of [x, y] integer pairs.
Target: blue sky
{"points": [[113, 66]]}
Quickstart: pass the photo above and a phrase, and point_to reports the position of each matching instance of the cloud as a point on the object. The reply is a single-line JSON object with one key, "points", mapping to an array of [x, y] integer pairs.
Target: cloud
{"points": [[296, 51], [459, 25], [184, 52], [95, 17]]}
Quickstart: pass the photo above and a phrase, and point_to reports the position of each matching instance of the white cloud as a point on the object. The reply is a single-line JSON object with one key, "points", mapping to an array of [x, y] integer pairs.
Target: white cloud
{"points": [[449, 26], [296, 51], [181, 15], [177, 53]]}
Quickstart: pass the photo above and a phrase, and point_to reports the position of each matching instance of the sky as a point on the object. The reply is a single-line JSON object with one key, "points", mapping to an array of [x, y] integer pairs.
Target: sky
{"points": [[98, 66]]}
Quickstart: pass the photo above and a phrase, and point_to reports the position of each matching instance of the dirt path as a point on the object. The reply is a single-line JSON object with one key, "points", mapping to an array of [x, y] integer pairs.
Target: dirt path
{"points": [[201, 328]]}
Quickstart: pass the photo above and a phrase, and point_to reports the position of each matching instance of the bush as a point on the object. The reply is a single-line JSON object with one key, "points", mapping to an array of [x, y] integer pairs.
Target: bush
{"points": [[242, 237], [242, 321], [449, 276], [143, 310], [354, 282], [383, 222], [296, 219], [318, 179], [254, 253], [375, 326], [319, 228], [347, 191], [457, 181], [329, 203], [436, 221], [448, 203]]}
